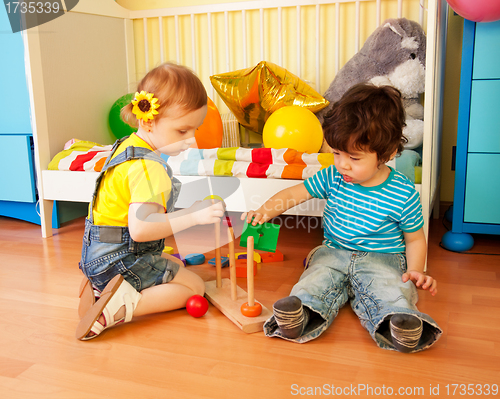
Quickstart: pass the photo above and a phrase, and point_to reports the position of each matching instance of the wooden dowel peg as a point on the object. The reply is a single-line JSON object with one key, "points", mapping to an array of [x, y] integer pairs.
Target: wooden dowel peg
{"points": [[251, 308], [250, 282], [232, 263], [218, 262]]}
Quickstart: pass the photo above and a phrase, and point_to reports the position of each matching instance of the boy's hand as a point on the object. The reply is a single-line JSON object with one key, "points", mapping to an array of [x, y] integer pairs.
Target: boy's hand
{"points": [[206, 212], [421, 281], [257, 218]]}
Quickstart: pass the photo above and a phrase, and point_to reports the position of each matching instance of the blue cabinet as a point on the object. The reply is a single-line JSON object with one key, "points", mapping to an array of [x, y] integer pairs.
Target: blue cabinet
{"points": [[484, 123], [476, 203], [18, 195], [486, 55], [17, 180], [17, 160]]}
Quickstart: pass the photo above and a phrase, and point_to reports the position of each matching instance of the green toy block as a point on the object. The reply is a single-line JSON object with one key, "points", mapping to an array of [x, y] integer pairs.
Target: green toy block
{"points": [[265, 236], [249, 230]]}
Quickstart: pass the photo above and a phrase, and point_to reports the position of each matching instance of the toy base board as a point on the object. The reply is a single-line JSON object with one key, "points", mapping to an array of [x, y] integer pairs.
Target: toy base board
{"points": [[221, 299]]}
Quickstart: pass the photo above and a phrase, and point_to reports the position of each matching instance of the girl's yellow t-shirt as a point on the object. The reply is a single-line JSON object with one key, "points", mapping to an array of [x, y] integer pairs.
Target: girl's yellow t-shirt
{"points": [[134, 181]]}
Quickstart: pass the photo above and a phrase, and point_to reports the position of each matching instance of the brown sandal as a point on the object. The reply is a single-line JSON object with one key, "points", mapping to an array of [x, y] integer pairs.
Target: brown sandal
{"points": [[118, 293], [88, 296]]}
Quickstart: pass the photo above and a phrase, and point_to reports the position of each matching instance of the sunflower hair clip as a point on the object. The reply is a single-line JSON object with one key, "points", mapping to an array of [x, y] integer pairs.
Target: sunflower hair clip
{"points": [[145, 105]]}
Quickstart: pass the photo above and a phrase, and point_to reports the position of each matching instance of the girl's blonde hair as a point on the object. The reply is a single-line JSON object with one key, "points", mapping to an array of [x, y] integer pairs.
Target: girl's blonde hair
{"points": [[172, 85]]}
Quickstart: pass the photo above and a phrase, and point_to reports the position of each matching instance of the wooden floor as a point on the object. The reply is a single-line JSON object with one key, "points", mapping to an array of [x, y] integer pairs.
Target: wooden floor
{"points": [[174, 355]]}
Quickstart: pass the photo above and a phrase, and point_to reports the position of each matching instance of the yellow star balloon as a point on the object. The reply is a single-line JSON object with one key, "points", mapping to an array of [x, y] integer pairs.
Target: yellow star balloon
{"points": [[253, 94]]}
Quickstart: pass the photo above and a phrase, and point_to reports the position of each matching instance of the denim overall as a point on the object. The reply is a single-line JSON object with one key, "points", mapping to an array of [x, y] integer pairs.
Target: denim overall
{"points": [[370, 281], [109, 250]]}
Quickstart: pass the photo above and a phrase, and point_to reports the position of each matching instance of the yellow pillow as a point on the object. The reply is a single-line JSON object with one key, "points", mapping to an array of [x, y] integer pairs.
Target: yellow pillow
{"points": [[253, 94]]}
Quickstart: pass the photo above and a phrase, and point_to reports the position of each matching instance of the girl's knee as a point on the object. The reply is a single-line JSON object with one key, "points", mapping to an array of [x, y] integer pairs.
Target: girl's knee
{"points": [[198, 286], [190, 280]]}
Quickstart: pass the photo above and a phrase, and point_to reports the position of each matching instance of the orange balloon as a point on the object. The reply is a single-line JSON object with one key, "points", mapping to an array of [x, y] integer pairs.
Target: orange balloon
{"points": [[209, 134]]}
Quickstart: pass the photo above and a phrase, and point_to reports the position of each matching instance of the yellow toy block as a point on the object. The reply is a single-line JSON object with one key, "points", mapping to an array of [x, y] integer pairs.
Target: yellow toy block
{"points": [[168, 250], [256, 256]]}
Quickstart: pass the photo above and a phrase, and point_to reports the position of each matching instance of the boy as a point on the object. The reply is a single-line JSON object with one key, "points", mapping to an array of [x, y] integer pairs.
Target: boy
{"points": [[374, 248]]}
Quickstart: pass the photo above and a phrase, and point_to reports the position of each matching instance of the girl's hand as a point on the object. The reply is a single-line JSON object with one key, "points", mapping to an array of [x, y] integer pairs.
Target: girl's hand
{"points": [[421, 281], [257, 218], [206, 212]]}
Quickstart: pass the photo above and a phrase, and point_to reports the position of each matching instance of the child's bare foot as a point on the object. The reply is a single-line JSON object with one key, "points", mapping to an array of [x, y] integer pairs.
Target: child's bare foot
{"points": [[102, 320]]}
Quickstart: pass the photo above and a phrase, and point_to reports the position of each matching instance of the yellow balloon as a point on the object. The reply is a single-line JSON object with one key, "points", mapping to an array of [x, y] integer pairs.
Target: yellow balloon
{"points": [[293, 127]]}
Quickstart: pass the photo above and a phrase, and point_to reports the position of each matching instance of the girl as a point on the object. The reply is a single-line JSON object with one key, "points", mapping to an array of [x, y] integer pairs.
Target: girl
{"points": [[131, 213]]}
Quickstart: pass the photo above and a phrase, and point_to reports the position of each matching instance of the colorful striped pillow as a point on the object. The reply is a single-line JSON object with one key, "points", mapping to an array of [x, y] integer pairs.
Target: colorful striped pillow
{"points": [[81, 156], [282, 163]]}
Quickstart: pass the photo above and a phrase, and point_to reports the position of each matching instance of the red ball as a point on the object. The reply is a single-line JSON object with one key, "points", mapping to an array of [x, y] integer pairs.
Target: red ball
{"points": [[197, 306]]}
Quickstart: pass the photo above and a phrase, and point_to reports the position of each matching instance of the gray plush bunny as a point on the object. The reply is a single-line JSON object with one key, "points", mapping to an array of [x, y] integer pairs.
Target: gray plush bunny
{"points": [[394, 54]]}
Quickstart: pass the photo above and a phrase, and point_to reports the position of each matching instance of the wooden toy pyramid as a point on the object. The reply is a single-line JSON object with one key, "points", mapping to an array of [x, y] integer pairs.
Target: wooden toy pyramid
{"points": [[225, 294]]}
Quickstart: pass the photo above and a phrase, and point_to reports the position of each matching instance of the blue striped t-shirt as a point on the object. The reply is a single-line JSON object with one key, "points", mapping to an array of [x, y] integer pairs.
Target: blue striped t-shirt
{"points": [[367, 218]]}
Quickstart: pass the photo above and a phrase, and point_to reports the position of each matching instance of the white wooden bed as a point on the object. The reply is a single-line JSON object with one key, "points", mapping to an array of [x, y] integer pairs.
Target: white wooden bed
{"points": [[79, 64]]}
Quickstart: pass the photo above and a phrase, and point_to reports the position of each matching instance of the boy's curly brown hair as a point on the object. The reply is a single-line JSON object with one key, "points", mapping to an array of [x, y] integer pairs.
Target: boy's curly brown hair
{"points": [[367, 118]]}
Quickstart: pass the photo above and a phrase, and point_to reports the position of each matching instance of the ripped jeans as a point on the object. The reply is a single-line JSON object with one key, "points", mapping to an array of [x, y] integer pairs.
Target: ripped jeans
{"points": [[370, 280]]}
